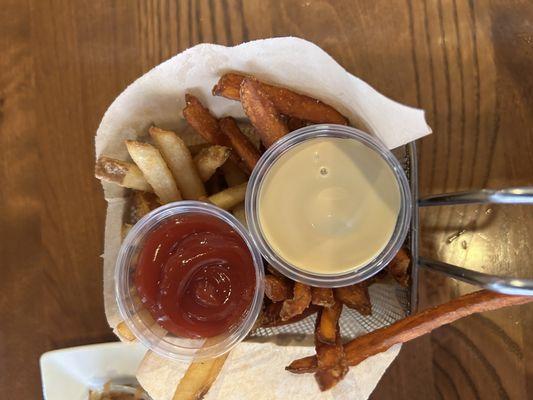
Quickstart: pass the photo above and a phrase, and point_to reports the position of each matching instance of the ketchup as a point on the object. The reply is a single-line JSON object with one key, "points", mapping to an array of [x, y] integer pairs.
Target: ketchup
{"points": [[195, 275]]}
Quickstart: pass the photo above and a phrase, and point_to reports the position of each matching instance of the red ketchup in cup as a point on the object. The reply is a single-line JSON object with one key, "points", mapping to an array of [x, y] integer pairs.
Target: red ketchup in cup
{"points": [[195, 275]]}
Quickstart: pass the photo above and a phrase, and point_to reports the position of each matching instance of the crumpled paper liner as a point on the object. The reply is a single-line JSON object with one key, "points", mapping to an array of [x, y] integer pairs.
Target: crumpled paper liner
{"points": [[253, 370]]}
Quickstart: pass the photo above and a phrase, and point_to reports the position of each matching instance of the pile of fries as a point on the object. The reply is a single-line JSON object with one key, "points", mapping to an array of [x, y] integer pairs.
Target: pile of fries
{"points": [[166, 170]]}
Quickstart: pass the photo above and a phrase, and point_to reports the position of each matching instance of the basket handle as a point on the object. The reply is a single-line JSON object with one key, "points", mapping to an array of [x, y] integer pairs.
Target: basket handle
{"points": [[518, 195], [506, 285]]}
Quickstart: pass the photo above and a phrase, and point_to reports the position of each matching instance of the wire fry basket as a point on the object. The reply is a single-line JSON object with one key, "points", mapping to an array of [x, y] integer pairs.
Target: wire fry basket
{"points": [[390, 301]]}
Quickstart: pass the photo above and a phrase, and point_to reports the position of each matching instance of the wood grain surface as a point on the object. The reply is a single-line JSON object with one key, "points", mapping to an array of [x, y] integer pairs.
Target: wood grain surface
{"points": [[467, 63]]}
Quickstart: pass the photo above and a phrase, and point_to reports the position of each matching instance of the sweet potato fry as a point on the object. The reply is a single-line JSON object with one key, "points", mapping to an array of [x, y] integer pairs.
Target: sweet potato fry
{"points": [[261, 112], [271, 315], [198, 378], [329, 320], [155, 170], [228, 86], [201, 120], [299, 302], [277, 288], [322, 296], [286, 101], [305, 365], [123, 173], [209, 159], [180, 163], [399, 267], [331, 361], [416, 325], [229, 198], [240, 143], [295, 123], [355, 297], [233, 175]]}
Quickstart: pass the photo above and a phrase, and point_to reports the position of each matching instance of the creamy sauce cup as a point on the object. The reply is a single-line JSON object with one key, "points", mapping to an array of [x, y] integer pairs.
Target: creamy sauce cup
{"points": [[137, 316], [325, 219]]}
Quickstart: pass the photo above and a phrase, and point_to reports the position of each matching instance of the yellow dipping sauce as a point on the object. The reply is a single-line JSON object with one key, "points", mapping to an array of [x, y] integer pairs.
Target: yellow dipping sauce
{"points": [[329, 205]]}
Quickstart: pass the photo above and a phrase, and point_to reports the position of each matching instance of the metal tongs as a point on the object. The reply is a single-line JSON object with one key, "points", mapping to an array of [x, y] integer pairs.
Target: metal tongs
{"points": [[500, 284]]}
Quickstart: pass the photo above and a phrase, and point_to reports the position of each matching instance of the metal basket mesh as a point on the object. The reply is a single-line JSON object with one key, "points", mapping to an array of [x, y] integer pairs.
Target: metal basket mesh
{"points": [[390, 301]]}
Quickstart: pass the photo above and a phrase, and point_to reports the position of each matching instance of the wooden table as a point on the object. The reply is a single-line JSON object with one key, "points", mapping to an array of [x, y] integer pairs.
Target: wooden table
{"points": [[467, 63]]}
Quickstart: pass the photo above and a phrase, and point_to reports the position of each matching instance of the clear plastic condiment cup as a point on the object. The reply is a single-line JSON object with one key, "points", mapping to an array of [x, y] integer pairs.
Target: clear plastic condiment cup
{"points": [[358, 273], [138, 318]]}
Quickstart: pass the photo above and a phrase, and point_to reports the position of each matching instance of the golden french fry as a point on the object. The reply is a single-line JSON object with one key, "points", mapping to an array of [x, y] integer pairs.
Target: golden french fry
{"points": [[262, 114], [124, 332], [180, 162], [230, 197], [122, 173], [142, 204], [196, 148], [198, 378], [125, 230], [209, 159], [233, 175], [329, 320], [240, 213], [299, 302], [286, 101], [322, 296], [240, 143], [155, 170]]}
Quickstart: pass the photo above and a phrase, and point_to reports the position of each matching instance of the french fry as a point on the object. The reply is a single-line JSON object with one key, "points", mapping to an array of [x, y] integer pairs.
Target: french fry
{"points": [[125, 230], [209, 159], [233, 175], [228, 86], [240, 143], [415, 325], [295, 123], [240, 213], [261, 112], [271, 315], [123, 173], [198, 378], [329, 320], [277, 288], [305, 365], [299, 302], [286, 101], [155, 170], [196, 148], [124, 332], [201, 120], [229, 198], [399, 267], [180, 163], [331, 361], [355, 297], [142, 204], [322, 296]]}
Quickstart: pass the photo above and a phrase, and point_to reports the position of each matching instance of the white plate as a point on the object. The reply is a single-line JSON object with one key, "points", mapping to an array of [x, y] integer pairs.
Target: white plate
{"points": [[68, 374]]}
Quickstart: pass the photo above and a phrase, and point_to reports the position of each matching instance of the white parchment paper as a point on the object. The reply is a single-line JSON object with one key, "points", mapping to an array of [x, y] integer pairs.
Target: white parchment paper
{"points": [[253, 370]]}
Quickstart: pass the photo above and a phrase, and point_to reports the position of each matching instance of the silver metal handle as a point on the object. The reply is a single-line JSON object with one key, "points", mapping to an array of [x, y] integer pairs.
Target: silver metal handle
{"points": [[506, 285], [518, 195]]}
